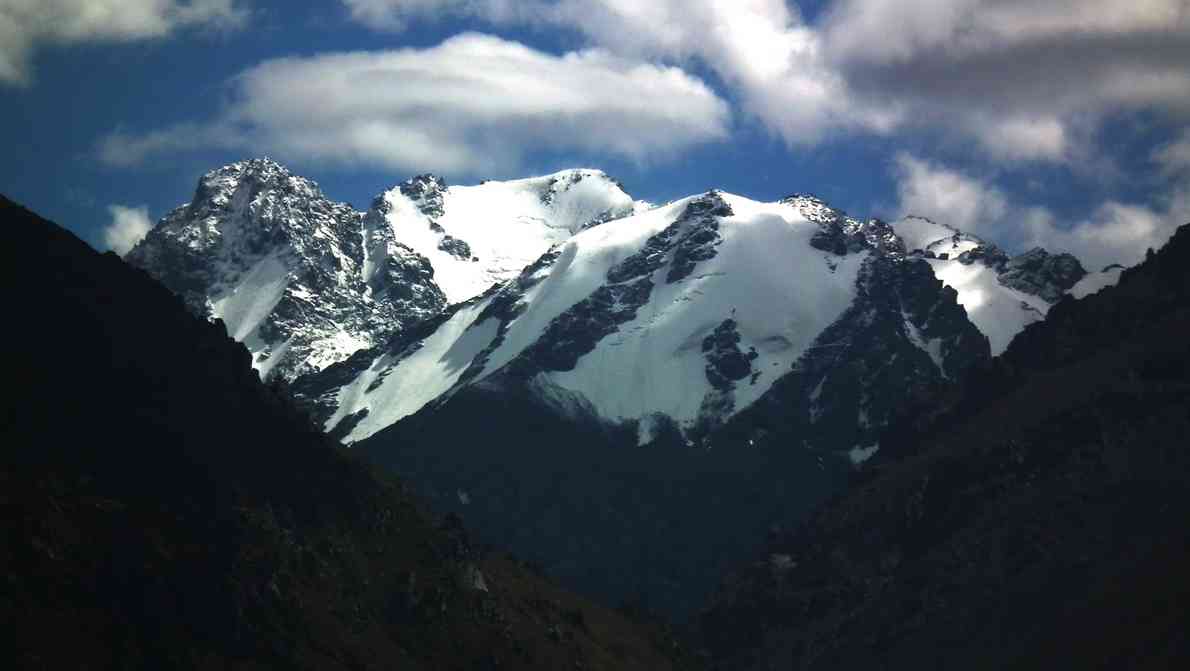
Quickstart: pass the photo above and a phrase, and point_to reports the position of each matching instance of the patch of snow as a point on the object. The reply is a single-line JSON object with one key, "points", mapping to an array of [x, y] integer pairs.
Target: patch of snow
{"points": [[337, 347], [859, 454], [244, 306], [263, 363], [1094, 282], [932, 347]]}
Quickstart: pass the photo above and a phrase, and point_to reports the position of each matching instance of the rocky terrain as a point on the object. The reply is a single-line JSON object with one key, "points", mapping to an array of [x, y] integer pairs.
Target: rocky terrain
{"points": [[302, 281]]}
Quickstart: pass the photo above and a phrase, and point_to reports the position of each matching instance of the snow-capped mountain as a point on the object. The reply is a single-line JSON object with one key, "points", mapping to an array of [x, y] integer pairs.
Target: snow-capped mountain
{"points": [[693, 371], [478, 236], [1001, 294], [675, 319], [305, 282], [302, 281]]}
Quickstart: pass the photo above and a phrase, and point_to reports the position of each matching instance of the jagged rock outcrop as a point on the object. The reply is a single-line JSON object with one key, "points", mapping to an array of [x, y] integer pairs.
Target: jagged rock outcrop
{"points": [[302, 281]]}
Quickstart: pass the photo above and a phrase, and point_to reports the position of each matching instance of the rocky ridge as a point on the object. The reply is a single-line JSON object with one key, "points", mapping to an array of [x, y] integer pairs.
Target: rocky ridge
{"points": [[302, 281]]}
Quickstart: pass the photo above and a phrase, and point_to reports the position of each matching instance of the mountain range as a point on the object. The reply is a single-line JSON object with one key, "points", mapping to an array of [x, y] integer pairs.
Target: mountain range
{"points": [[488, 340], [819, 441], [1033, 520]]}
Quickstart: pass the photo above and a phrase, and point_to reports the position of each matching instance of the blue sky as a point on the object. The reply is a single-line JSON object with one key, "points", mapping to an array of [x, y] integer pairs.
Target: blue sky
{"points": [[1059, 123]]}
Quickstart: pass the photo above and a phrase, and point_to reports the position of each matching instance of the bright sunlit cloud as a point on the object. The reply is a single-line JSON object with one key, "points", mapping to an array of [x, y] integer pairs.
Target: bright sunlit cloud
{"points": [[473, 104]]}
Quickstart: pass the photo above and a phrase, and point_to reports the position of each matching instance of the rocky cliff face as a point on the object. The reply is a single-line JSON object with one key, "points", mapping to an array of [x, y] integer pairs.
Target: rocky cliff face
{"points": [[303, 282]]}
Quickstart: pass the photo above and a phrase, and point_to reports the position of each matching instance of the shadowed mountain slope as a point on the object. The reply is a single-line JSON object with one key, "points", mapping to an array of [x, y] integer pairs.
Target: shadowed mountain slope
{"points": [[1036, 521], [185, 516]]}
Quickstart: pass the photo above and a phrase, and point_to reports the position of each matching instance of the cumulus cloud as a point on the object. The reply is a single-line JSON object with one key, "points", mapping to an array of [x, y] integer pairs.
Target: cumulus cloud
{"points": [[1026, 80], [129, 226], [473, 104], [1114, 232], [760, 48], [26, 25]]}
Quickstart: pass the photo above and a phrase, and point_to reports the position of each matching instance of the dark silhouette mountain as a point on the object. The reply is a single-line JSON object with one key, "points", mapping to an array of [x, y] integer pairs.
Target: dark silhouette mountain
{"points": [[1037, 520], [186, 516]]}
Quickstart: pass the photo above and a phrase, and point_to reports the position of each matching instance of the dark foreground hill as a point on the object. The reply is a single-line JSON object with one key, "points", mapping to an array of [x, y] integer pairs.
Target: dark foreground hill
{"points": [[184, 516], [1038, 521]]}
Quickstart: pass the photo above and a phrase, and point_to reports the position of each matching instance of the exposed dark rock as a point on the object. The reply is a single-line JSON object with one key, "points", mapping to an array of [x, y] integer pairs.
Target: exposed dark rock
{"points": [[455, 247], [987, 254], [1040, 273], [426, 192], [726, 362]]}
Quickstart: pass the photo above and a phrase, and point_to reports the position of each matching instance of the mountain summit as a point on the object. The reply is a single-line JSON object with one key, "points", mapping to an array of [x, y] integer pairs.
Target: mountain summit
{"points": [[305, 282], [302, 281], [492, 341]]}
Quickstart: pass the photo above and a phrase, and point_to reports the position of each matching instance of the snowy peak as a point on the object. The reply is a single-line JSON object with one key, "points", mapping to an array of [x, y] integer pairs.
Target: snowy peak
{"points": [[292, 275], [478, 236], [674, 320], [1001, 294]]}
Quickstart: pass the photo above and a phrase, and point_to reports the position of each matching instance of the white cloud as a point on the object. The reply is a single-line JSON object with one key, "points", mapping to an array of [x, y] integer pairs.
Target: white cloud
{"points": [[124, 149], [1026, 80], [760, 48], [1114, 232], [26, 25], [129, 225], [947, 196], [474, 104]]}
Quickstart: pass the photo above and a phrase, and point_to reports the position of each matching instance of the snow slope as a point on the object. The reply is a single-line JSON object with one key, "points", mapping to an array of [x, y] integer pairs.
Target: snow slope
{"points": [[981, 274], [503, 226], [395, 386], [996, 310], [763, 277], [780, 292]]}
